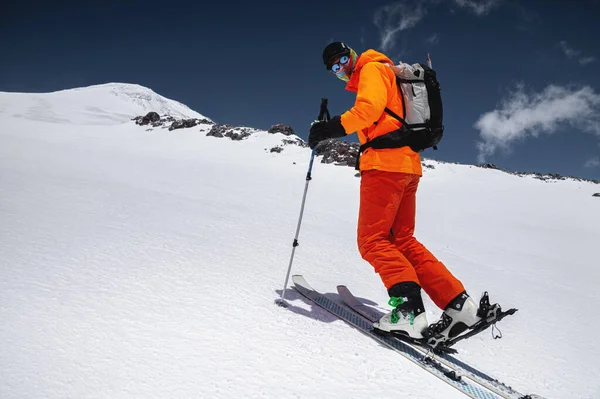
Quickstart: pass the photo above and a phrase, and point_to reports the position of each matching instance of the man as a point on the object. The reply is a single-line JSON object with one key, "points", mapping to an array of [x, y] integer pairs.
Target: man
{"points": [[386, 220]]}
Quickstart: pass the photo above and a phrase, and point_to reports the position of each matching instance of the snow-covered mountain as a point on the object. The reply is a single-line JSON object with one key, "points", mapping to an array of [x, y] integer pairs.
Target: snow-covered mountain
{"points": [[106, 104], [142, 262]]}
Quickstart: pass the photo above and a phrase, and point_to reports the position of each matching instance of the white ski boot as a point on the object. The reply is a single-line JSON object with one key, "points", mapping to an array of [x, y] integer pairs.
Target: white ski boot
{"points": [[408, 316], [460, 315]]}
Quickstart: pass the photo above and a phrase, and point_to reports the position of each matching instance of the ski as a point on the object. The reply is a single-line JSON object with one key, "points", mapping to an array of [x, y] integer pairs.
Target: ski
{"points": [[447, 374], [464, 369], [441, 349]]}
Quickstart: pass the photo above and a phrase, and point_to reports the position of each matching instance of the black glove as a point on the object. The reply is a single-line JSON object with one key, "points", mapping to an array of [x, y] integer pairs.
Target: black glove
{"points": [[325, 130]]}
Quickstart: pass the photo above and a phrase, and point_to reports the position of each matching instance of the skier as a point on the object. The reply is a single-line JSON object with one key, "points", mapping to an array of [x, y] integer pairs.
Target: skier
{"points": [[388, 187]]}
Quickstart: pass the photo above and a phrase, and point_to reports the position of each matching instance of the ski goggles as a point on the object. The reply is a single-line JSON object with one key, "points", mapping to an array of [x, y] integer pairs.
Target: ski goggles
{"points": [[339, 66]]}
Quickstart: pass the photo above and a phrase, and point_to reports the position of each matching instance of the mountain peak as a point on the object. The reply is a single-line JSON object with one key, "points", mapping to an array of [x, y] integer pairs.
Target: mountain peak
{"points": [[103, 104]]}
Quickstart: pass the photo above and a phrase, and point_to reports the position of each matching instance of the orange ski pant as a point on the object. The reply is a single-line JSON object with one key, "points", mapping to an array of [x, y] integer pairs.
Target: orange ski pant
{"points": [[386, 224]]}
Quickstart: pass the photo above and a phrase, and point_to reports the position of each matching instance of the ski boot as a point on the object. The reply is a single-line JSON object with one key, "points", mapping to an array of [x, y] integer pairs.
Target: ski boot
{"points": [[408, 317], [462, 314]]}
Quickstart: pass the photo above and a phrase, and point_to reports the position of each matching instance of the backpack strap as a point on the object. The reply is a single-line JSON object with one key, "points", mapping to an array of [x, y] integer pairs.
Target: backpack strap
{"points": [[397, 138], [407, 125], [393, 139], [392, 113], [395, 115]]}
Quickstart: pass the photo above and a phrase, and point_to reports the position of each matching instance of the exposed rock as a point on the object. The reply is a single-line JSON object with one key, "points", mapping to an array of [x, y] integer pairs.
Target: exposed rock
{"points": [[551, 176], [338, 152], [488, 166], [295, 141], [596, 195], [183, 123], [238, 135], [540, 176], [164, 121], [217, 130], [283, 129], [234, 133], [151, 117]]}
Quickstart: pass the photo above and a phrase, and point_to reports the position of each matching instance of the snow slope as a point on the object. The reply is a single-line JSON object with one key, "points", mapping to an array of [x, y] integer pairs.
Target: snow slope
{"points": [[107, 104], [144, 264]]}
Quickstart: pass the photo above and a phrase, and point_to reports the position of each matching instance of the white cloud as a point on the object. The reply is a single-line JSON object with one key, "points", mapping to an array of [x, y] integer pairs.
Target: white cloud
{"points": [[433, 39], [396, 17], [524, 115], [568, 50], [592, 163], [405, 14], [587, 60], [479, 7], [571, 53]]}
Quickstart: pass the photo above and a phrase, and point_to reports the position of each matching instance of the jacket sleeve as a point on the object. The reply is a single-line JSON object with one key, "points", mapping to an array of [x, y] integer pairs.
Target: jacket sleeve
{"points": [[371, 98]]}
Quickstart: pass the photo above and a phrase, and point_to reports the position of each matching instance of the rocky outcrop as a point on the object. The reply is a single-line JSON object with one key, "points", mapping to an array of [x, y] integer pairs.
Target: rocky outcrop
{"points": [[233, 132], [150, 117], [540, 176], [168, 122], [295, 141], [283, 129], [187, 123], [488, 166], [338, 152]]}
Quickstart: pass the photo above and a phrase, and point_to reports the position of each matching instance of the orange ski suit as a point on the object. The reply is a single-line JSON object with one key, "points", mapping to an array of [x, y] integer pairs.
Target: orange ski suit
{"points": [[389, 181]]}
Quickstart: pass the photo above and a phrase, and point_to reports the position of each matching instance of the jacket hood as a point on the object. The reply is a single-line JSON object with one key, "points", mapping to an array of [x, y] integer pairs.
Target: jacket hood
{"points": [[366, 57], [371, 56]]}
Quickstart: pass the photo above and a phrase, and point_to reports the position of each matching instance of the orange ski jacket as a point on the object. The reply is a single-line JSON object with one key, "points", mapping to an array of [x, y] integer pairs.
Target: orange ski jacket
{"points": [[375, 86]]}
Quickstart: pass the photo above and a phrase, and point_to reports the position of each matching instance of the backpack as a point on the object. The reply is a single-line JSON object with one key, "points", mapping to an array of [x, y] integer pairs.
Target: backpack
{"points": [[422, 126]]}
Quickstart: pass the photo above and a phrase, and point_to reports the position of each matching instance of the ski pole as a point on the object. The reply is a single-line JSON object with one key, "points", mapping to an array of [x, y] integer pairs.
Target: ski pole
{"points": [[323, 116]]}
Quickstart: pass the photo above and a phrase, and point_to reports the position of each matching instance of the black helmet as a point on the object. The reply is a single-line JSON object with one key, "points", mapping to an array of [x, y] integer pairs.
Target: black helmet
{"points": [[333, 50]]}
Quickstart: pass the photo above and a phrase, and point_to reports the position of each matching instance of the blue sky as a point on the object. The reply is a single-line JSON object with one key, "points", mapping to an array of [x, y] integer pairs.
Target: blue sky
{"points": [[520, 79]]}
